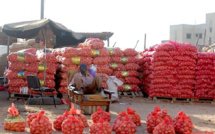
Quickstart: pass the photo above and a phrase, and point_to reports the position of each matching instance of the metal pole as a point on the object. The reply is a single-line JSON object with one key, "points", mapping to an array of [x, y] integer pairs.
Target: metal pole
{"points": [[42, 9], [136, 44], [43, 31], [108, 42], [114, 44], [107, 38], [145, 42]]}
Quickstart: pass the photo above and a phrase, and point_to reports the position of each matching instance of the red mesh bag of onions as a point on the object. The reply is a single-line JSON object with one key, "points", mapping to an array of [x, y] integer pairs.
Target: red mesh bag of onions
{"points": [[93, 43], [59, 120], [21, 57], [100, 127], [77, 114], [182, 123], [100, 114], [152, 121], [164, 128], [134, 116], [130, 52], [72, 125], [14, 122], [124, 125], [41, 124]]}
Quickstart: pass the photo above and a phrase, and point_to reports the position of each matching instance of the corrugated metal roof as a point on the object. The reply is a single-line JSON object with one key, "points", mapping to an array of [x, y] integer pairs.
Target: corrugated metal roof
{"points": [[102, 35]]}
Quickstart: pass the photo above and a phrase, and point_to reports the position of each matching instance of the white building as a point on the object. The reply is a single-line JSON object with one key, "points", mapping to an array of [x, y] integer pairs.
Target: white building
{"points": [[201, 34]]}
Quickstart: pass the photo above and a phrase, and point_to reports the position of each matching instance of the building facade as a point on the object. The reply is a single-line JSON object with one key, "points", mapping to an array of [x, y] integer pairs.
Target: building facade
{"points": [[201, 34]]}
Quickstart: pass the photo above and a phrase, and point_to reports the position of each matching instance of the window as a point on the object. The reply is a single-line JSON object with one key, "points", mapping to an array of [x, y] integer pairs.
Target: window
{"points": [[188, 36], [199, 35], [210, 29]]}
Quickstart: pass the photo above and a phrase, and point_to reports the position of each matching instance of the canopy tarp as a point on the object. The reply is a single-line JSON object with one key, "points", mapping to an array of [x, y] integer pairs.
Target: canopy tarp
{"points": [[30, 29]]}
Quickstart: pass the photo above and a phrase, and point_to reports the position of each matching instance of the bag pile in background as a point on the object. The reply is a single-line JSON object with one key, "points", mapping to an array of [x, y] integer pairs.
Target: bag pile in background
{"points": [[105, 61], [205, 75], [29, 62], [169, 70]]}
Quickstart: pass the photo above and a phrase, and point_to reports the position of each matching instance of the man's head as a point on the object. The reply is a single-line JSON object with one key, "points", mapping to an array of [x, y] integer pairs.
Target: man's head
{"points": [[83, 68]]}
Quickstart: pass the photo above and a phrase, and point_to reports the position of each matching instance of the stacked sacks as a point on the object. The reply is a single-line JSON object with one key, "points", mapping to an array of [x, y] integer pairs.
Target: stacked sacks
{"points": [[25, 63], [169, 70], [61, 76], [17, 71], [116, 66], [162, 77], [184, 64], [108, 61], [47, 64], [101, 60], [99, 54], [69, 59], [146, 68], [204, 87], [129, 71]]}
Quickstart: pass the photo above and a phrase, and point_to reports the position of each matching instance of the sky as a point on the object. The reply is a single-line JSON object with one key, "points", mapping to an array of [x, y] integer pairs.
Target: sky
{"points": [[129, 20]]}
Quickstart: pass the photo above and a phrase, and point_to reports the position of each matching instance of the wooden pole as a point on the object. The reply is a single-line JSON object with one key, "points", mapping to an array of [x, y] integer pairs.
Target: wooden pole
{"points": [[204, 38], [8, 44], [197, 41]]}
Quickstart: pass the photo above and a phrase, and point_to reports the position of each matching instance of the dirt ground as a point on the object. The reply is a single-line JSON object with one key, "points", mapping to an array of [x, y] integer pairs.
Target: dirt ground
{"points": [[202, 114]]}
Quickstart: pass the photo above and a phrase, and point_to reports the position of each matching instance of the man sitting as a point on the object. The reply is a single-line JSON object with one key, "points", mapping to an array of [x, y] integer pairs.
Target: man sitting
{"points": [[84, 81]]}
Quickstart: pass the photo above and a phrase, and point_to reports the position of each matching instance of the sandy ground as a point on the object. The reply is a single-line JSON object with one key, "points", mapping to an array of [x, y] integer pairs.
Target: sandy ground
{"points": [[202, 114]]}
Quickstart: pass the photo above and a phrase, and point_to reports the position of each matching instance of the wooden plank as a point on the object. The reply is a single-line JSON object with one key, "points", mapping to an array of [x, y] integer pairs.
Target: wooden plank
{"points": [[172, 99], [140, 93], [95, 103], [130, 94], [175, 99], [205, 100], [161, 98], [133, 94], [65, 96], [99, 100], [20, 96]]}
